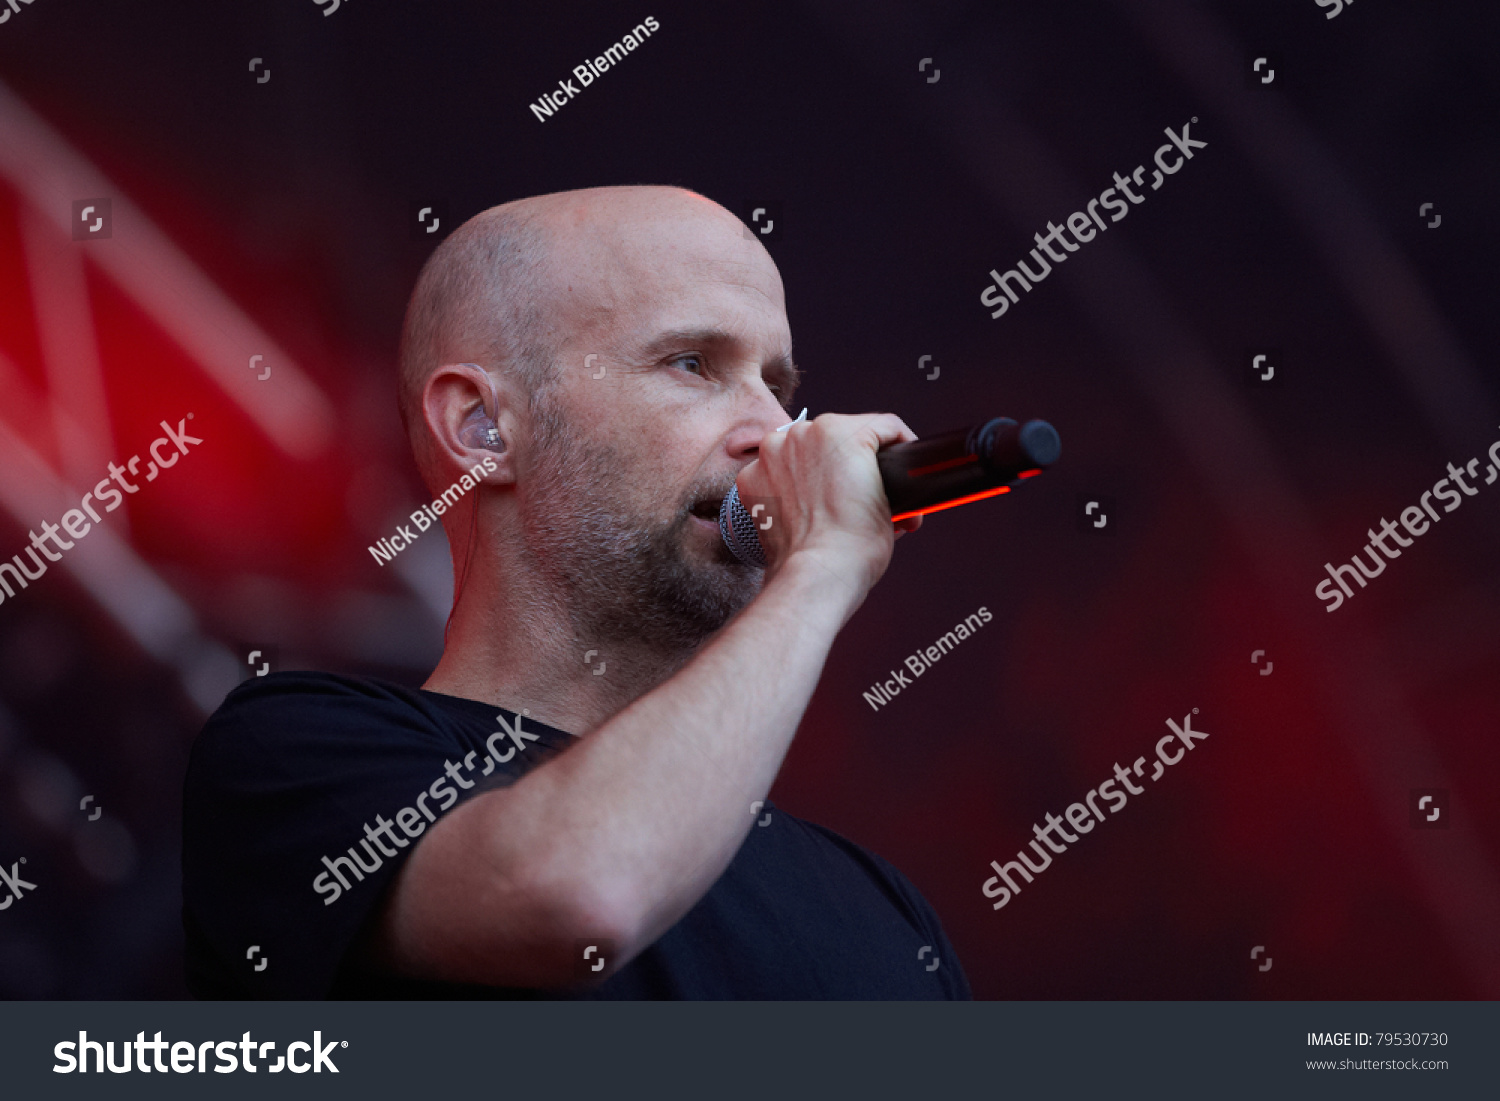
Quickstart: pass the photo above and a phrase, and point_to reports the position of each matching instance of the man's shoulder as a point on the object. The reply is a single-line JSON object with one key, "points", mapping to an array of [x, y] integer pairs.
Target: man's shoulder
{"points": [[280, 714], [285, 775], [312, 696], [314, 688]]}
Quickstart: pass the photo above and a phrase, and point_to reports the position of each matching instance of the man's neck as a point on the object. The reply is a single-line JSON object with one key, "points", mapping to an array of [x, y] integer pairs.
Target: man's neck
{"points": [[517, 650]]}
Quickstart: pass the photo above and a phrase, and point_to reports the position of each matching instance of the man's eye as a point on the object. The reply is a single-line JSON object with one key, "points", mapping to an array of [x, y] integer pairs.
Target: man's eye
{"points": [[693, 363]]}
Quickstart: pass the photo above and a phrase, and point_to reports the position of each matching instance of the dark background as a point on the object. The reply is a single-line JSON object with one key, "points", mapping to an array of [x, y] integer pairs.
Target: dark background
{"points": [[275, 218]]}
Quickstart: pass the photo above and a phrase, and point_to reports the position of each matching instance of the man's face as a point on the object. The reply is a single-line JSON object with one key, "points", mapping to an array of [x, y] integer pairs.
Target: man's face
{"points": [[680, 315]]}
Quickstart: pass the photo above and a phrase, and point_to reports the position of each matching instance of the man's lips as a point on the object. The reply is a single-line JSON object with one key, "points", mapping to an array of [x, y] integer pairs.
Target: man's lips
{"points": [[705, 514], [707, 508]]}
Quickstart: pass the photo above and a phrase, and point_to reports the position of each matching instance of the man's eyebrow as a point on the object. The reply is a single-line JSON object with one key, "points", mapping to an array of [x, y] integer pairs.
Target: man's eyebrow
{"points": [[780, 366], [676, 338]]}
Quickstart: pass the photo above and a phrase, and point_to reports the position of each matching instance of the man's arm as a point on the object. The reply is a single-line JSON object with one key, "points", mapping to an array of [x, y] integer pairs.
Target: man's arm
{"points": [[620, 836]]}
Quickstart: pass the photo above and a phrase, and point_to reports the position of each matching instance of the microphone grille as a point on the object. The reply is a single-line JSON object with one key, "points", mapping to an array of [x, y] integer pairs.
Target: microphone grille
{"points": [[737, 527]]}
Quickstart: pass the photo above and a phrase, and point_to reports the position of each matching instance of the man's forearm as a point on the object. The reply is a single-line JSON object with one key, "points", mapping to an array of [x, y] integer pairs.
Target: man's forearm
{"points": [[644, 814]]}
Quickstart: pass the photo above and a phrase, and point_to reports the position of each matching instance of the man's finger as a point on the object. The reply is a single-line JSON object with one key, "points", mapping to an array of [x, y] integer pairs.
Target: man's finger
{"points": [[890, 429]]}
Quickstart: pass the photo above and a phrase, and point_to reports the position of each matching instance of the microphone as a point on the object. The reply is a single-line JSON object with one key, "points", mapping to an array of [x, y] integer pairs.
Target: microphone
{"points": [[967, 464]]}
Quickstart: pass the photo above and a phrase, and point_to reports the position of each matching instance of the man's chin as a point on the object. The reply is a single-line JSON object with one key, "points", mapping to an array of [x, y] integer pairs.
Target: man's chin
{"points": [[719, 583]]}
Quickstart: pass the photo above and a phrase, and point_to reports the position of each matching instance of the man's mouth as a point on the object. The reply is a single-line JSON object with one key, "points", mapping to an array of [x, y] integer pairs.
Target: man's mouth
{"points": [[707, 508]]}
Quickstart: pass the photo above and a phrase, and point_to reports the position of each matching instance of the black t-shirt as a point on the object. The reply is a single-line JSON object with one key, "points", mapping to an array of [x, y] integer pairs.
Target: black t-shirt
{"points": [[305, 792]]}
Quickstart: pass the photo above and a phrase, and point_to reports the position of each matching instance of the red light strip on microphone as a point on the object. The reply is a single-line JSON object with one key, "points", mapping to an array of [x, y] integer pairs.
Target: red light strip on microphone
{"points": [[953, 504], [946, 464]]}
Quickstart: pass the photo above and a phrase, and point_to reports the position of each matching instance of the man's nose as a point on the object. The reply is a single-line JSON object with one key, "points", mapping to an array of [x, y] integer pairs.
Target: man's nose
{"points": [[747, 446], [745, 442]]}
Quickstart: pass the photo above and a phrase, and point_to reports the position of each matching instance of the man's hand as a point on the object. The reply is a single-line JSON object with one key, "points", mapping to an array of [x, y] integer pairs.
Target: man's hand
{"points": [[832, 508]]}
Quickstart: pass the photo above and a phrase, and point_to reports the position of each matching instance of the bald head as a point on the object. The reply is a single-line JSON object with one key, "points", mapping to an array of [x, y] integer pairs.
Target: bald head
{"points": [[476, 300], [513, 284], [633, 350]]}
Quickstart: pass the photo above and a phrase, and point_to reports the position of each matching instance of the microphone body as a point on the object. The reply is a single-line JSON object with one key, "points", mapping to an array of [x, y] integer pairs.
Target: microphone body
{"points": [[954, 468]]}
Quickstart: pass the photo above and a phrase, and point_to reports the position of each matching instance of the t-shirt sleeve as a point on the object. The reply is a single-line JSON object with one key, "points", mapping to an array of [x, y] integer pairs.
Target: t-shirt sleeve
{"points": [[304, 794], [950, 973], [951, 982]]}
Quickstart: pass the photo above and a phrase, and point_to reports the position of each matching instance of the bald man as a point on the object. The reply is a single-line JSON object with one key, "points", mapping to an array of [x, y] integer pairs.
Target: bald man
{"points": [[575, 803]]}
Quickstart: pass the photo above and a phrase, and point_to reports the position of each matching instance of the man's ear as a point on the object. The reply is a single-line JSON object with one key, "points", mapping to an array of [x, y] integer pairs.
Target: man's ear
{"points": [[461, 403]]}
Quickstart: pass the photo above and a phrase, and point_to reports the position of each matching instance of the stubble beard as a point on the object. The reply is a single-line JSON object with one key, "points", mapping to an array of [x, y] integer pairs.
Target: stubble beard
{"points": [[625, 574]]}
